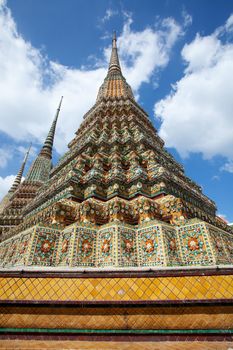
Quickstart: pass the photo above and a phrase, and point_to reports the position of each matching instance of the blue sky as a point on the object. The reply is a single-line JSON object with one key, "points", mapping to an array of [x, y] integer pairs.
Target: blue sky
{"points": [[177, 56]]}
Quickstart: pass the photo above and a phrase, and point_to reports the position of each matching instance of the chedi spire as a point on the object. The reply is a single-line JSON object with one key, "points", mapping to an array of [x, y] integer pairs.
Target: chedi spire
{"points": [[114, 64], [114, 85], [41, 167], [19, 176], [48, 144], [6, 200]]}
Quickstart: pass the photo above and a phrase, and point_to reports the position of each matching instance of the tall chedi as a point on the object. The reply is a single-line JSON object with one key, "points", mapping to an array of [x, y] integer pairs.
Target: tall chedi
{"points": [[115, 239], [5, 201], [41, 167], [118, 173], [20, 194]]}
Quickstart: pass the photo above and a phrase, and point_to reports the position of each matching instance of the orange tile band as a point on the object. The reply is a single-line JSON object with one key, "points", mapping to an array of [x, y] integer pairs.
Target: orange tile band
{"points": [[117, 288]]}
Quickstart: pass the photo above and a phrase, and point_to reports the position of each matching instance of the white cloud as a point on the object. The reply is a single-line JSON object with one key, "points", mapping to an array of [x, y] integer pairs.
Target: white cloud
{"points": [[202, 53], [228, 167], [5, 184], [5, 155], [215, 178], [8, 152], [28, 103], [108, 15], [229, 24], [23, 150], [226, 29], [187, 18], [197, 115]]}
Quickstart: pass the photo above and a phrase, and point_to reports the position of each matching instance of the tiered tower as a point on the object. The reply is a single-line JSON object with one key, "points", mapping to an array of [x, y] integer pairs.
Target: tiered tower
{"points": [[22, 193], [5, 201], [116, 181], [116, 222]]}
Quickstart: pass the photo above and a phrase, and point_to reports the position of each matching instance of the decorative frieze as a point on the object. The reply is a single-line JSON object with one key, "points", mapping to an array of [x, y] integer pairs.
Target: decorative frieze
{"points": [[119, 245]]}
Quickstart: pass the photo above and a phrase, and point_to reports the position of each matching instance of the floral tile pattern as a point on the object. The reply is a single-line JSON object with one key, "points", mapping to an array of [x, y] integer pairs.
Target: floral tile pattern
{"points": [[119, 245]]}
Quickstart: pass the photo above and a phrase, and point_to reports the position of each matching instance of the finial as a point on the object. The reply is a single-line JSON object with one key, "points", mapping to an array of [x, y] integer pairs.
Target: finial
{"points": [[59, 107], [114, 40], [27, 153], [114, 63]]}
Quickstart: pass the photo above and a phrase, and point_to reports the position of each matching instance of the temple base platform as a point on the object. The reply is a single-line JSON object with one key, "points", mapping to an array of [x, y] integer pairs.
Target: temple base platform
{"points": [[156, 309], [153, 284]]}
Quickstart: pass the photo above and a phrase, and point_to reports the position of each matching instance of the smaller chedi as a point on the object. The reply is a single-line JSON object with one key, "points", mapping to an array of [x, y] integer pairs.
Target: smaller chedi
{"points": [[117, 199]]}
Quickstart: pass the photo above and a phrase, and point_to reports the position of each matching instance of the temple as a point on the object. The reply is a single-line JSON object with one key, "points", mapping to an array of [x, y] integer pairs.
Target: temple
{"points": [[116, 222]]}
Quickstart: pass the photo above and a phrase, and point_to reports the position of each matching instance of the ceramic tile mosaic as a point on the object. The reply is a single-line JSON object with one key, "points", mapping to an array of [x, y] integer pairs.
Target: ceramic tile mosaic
{"points": [[171, 246], [228, 243], [117, 244], [107, 247], [84, 247], [195, 245], [65, 247], [120, 288], [44, 246], [127, 247], [151, 246], [219, 245], [15, 251]]}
